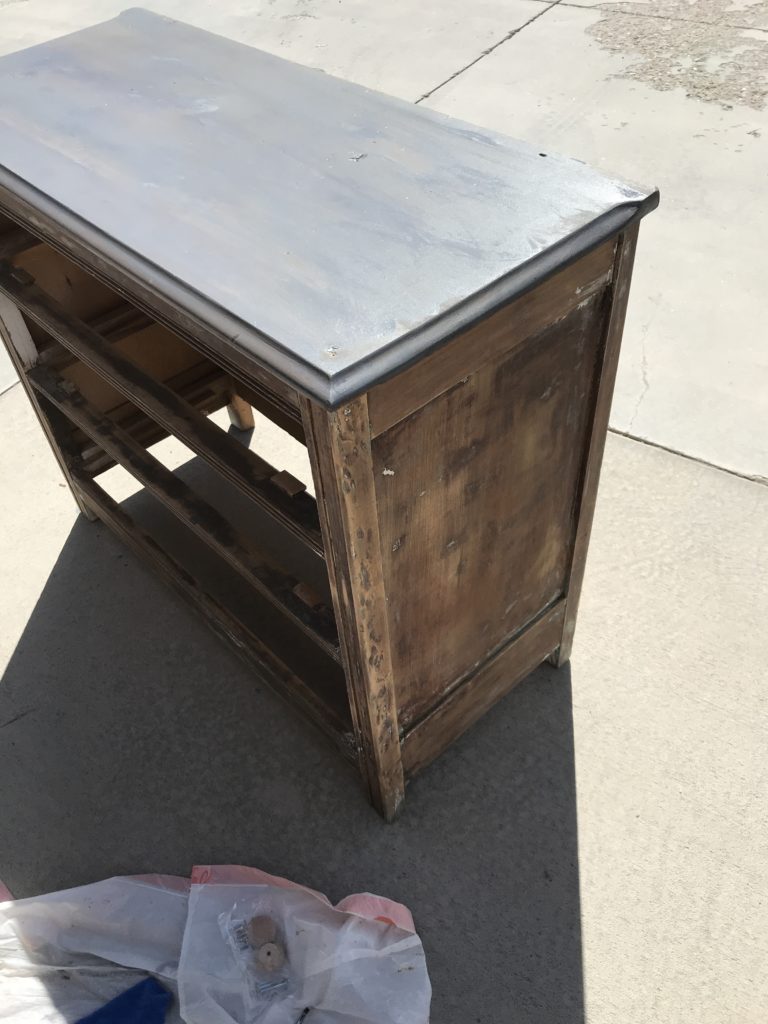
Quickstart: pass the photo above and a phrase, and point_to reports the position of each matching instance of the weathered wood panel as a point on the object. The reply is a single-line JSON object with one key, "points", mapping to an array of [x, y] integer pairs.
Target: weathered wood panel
{"points": [[469, 700], [491, 338], [476, 495]]}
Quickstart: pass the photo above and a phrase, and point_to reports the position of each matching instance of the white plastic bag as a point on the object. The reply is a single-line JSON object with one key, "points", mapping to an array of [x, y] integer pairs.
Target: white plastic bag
{"points": [[342, 967], [67, 953]]}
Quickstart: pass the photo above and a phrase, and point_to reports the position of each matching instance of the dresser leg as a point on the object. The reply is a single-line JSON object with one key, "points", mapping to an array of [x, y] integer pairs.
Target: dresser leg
{"points": [[340, 452], [240, 413]]}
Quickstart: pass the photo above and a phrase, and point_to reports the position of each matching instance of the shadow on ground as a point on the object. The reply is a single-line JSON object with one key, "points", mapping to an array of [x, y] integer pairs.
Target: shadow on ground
{"points": [[132, 740]]}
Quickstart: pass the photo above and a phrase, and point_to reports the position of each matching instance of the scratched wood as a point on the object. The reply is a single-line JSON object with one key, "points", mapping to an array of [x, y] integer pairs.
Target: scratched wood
{"points": [[476, 493], [472, 697], [340, 451], [352, 233]]}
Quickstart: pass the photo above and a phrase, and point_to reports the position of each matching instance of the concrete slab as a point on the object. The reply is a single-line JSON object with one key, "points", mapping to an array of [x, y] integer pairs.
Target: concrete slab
{"points": [[664, 102], [602, 830]]}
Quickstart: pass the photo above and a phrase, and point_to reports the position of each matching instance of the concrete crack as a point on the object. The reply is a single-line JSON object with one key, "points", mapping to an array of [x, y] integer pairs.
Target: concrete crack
{"points": [[490, 49], [753, 478], [644, 374], [17, 718]]}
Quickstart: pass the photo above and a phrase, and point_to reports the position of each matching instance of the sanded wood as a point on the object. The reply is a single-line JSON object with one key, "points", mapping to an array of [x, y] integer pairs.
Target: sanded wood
{"points": [[490, 339], [281, 408], [603, 395], [340, 452], [468, 701], [239, 465], [475, 495], [203, 519], [251, 648]]}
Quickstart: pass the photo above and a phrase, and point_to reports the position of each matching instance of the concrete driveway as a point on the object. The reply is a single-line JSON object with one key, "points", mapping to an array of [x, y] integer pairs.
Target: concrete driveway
{"points": [[595, 849]]}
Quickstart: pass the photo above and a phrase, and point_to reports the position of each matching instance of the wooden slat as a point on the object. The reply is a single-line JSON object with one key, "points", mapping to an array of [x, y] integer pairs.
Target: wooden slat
{"points": [[120, 322], [468, 701], [340, 450], [492, 338], [203, 519], [16, 240], [225, 453], [207, 393], [250, 647]]}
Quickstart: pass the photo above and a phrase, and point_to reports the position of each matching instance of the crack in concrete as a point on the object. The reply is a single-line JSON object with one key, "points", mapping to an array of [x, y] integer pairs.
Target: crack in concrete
{"points": [[644, 374], [490, 49], [645, 382], [707, 57], [752, 478], [17, 718]]}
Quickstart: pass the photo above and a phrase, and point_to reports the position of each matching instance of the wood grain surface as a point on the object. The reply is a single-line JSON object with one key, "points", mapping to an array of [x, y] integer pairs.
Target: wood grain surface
{"points": [[476, 496]]}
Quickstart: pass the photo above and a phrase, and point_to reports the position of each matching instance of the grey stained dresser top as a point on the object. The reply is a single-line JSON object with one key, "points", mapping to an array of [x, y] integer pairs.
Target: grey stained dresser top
{"points": [[330, 233]]}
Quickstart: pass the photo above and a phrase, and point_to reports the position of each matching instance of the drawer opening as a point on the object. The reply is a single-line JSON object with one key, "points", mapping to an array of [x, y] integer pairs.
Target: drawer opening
{"points": [[161, 349], [164, 446], [151, 383], [290, 663]]}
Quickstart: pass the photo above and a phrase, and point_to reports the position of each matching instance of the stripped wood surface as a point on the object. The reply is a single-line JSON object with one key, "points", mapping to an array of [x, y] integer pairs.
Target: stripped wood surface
{"points": [[472, 697], [340, 451], [240, 413], [492, 338], [475, 494]]}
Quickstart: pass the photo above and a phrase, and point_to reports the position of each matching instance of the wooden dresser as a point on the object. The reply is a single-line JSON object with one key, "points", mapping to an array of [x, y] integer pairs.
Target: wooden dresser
{"points": [[433, 309]]}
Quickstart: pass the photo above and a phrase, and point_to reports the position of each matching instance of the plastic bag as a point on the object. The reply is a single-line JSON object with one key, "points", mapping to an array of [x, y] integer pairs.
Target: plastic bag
{"points": [[67, 953], [340, 967], [64, 954]]}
